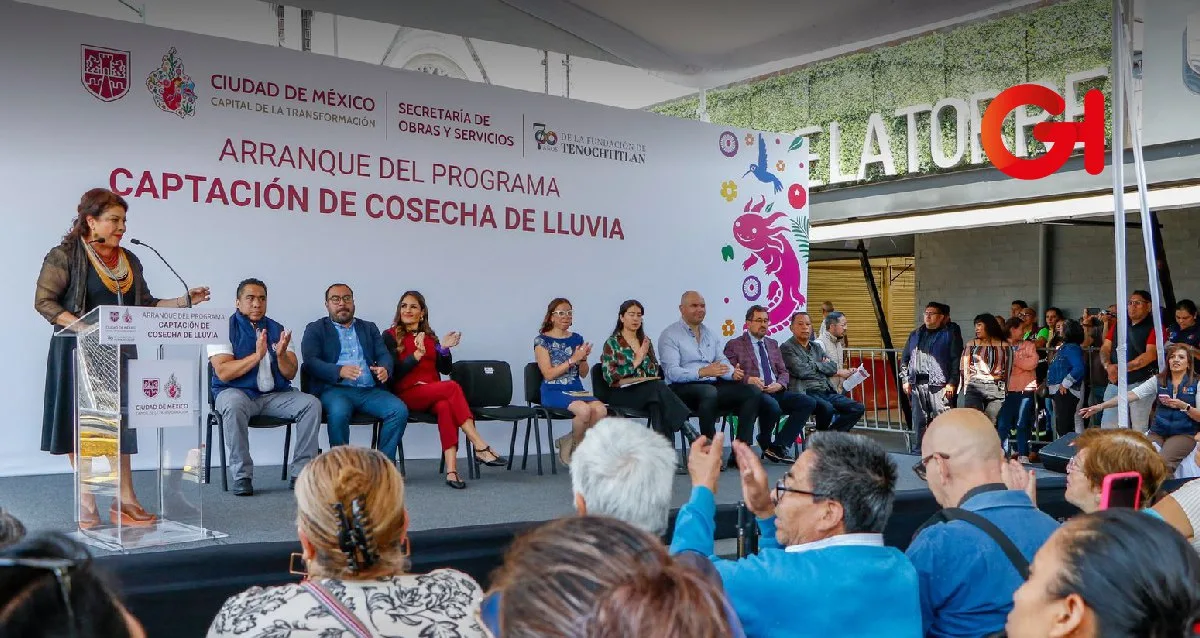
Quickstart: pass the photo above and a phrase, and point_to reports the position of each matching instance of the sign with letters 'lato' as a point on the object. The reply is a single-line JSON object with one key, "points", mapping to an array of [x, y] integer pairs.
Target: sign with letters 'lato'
{"points": [[162, 393], [124, 325]]}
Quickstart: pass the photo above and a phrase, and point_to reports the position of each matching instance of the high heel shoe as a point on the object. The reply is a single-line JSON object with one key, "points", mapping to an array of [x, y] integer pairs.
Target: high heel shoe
{"points": [[498, 461], [131, 516], [89, 517], [456, 482]]}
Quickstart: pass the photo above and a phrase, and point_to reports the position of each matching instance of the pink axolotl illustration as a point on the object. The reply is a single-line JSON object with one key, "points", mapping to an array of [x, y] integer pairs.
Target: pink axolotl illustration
{"points": [[772, 246]]}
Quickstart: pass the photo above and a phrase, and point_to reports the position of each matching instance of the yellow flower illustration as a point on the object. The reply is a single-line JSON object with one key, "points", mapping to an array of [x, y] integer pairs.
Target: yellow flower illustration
{"points": [[729, 190], [728, 328], [779, 166], [749, 140]]}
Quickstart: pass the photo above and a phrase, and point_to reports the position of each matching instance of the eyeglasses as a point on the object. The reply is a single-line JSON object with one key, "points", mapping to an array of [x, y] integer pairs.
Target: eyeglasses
{"points": [[341, 298], [932, 313], [1072, 465], [758, 321], [920, 470], [563, 313], [61, 568], [781, 487]]}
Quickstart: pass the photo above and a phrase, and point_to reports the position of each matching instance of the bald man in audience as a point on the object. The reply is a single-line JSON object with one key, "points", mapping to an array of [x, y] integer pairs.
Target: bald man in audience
{"points": [[966, 577]]}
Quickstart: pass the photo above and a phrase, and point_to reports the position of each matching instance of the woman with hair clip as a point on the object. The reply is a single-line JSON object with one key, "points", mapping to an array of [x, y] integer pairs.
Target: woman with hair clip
{"points": [[353, 530], [88, 268], [984, 367], [1110, 574], [1177, 416], [1099, 453], [561, 357], [421, 360], [51, 589], [1064, 379], [632, 370], [597, 577]]}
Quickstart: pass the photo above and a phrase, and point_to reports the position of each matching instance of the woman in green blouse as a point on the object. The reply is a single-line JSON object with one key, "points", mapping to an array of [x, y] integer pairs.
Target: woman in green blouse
{"points": [[632, 371]]}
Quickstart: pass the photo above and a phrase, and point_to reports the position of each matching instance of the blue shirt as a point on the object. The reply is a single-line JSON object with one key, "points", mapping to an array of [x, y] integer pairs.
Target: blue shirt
{"points": [[967, 583], [351, 354], [682, 356], [861, 591]]}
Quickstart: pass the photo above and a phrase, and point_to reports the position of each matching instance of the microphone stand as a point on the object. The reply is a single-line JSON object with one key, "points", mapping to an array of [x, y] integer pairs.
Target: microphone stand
{"points": [[120, 297], [187, 292]]}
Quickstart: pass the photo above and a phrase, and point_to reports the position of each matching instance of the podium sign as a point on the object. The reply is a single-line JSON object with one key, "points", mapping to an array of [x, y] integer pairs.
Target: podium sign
{"points": [[162, 393], [124, 385], [124, 325]]}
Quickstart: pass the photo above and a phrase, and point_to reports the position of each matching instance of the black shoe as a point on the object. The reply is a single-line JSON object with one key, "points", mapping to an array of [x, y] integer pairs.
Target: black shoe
{"points": [[777, 454], [495, 462], [455, 482], [243, 487], [680, 470], [731, 464], [689, 433], [292, 483]]}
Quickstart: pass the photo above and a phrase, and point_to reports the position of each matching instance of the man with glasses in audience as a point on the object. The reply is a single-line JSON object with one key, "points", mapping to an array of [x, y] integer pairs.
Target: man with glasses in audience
{"points": [[1142, 357], [348, 367], [822, 568], [929, 367], [967, 578]]}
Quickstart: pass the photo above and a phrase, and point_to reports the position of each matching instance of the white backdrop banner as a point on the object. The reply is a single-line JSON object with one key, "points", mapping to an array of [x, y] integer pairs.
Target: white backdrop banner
{"points": [[1171, 71], [162, 393], [240, 160]]}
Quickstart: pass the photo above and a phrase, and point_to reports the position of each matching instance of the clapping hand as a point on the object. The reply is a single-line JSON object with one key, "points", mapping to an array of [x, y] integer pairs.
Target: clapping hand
{"points": [[260, 344], [704, 461], [738, 373], [1016, 477], [581, 353], [452, 339], [643, 350], [281, 346], [419, 345], [755, 489]]}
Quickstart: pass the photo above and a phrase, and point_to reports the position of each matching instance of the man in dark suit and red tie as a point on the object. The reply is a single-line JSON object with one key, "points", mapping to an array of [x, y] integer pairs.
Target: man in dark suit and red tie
{"points": [[760, 358]]}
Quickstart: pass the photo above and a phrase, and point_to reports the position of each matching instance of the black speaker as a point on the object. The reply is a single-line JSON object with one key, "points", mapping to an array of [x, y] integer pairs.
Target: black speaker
{"points": [[1057, 454]]}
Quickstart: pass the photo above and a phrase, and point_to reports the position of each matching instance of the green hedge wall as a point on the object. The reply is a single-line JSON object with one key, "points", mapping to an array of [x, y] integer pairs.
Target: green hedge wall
{"points": [[1044, 45]]}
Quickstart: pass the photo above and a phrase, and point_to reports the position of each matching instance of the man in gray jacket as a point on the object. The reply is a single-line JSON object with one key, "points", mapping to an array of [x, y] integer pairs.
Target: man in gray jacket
{"points": [[810, 369]]}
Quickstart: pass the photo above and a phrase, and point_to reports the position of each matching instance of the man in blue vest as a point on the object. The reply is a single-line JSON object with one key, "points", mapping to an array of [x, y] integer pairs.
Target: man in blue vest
{"points": [[348, 367], [252, 376]]}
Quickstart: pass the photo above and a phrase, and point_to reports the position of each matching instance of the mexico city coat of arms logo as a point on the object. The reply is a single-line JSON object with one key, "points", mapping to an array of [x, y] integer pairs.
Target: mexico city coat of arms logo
{"points": [[174, 390], [104, 72], [172, 88], [150, 387]]}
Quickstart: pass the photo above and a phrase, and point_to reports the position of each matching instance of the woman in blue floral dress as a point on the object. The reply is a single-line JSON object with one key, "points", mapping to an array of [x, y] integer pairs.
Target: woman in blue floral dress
{"points": [[562, 358]]}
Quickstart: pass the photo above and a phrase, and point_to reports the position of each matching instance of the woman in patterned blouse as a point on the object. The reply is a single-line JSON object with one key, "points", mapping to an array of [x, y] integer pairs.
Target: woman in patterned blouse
{"points": [[354, 534], [632, 371]]}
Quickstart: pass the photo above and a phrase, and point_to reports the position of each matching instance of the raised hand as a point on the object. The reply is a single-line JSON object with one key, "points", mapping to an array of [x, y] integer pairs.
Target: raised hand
{"points": [[643, 348], [452, 339], [755, 489], [260, 344], [281, 346], [419, 345], [704, 461]]}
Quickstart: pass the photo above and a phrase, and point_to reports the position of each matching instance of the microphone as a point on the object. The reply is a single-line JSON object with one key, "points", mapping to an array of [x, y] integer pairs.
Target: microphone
{"points": [[187, 294], [120, 297]]}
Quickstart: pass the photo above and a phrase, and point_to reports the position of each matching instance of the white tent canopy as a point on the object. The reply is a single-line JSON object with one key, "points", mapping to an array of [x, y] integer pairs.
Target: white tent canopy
{"points": [[697, 43]]}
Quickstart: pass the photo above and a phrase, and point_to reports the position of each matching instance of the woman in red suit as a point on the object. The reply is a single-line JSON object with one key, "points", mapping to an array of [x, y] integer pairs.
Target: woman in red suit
{"points": [[420, 363]]}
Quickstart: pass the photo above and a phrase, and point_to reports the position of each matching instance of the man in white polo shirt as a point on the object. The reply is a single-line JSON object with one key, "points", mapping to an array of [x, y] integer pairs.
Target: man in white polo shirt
{"points": [[252, 376]]}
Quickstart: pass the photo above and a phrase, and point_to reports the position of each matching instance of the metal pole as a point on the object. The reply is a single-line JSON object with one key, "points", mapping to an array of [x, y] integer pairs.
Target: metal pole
{"points": [[546, 71], [1151, 234], [1045, 267], [477, 59], [567, 70], [306, 16], [335, 36], [880, 318], [1118, 178]]}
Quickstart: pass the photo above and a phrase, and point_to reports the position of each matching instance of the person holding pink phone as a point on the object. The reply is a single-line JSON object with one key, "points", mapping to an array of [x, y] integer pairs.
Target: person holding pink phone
{"points": [[1177, 419]]}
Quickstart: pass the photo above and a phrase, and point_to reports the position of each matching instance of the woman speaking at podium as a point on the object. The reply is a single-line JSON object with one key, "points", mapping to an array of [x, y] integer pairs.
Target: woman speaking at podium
{"points": [[86, 270]]}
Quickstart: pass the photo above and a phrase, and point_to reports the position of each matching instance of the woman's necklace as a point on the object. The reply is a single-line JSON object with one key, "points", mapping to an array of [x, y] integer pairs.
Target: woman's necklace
{"points": [[120, 278]]}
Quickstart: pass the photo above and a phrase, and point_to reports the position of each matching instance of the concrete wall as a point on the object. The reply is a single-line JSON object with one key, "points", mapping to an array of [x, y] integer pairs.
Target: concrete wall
{"points": [[983, 270]]}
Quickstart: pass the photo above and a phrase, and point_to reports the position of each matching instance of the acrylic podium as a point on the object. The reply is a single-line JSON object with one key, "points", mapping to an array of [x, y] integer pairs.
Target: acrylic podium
{"points": [[124, 385]]}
